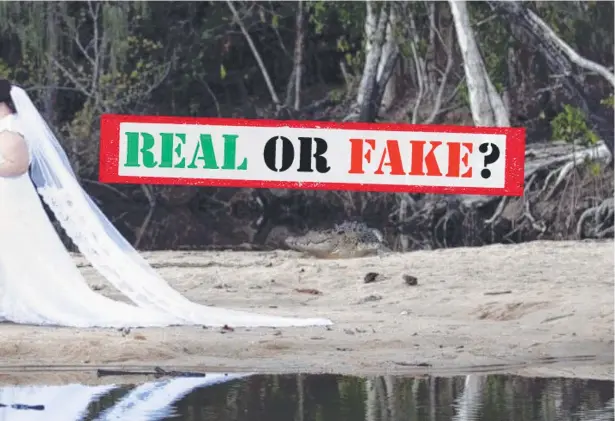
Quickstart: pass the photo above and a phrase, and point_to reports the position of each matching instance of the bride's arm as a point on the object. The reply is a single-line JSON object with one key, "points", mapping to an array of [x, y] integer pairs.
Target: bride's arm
{"points": [[14, 154]]}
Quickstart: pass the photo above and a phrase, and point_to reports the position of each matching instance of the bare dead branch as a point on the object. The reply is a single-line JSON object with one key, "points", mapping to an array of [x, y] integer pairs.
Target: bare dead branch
{"points": [[575, 57], [345, 74], [255, 53], [498, 212], [151, 198], [106, 186], [537, 225], [74, 35], [421, 73], [94, 11], [71, 77], [298, 57], [421, 81], [213, 96], [449, 65]]}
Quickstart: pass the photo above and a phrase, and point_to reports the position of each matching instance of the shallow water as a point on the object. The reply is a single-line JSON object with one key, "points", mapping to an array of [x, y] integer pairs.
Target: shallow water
{"points": [[316, 398]]}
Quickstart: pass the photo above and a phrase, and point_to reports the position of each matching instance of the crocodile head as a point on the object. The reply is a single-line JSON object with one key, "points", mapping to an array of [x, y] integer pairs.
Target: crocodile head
{"points": [[346, 240]]}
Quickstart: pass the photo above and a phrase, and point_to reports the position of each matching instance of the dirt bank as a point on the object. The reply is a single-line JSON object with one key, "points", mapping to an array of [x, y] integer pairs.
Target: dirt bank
{"points": [[498, 308]]}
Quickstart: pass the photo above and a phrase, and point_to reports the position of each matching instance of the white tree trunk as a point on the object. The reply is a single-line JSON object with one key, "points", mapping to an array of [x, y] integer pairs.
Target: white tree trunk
{"points": [[389, 50], [486, 105], [299, 54], [375, 27]]}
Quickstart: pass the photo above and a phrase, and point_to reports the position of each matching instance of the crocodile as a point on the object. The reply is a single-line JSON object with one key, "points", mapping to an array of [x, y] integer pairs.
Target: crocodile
{"points": [[343, 241]]}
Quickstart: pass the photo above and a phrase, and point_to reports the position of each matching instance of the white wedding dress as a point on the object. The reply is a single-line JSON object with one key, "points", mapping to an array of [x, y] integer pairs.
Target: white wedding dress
{"points": [[40, 283]]}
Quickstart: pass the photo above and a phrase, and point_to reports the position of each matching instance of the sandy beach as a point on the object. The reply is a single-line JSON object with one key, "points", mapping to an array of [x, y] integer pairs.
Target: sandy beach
{"points": [[540, 308]]}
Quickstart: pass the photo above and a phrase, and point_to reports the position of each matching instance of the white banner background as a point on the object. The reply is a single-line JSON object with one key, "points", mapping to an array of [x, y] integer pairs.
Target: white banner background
{"points": [[251, 143]]}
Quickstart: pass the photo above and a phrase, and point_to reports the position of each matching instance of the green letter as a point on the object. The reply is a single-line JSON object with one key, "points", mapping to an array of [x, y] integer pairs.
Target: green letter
{"points": [[167, 150], [178, 150], [132, 154], [230, 149], [132, 149], [208, 155]]}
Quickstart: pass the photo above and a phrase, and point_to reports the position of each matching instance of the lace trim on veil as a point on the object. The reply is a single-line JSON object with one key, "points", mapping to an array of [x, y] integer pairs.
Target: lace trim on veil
{"points": [[132, 275], [87, 237], [104, 247]]}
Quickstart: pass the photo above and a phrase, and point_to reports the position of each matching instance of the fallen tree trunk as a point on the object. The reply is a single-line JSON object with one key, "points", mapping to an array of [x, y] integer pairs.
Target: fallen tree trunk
{"points": [[548, 38], [555, 200], [565, 191], [560, 57], [557, 158]]}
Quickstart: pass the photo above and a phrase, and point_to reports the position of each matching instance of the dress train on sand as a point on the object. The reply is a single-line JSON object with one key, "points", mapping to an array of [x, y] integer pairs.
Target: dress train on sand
{"points": [[41, 285]]}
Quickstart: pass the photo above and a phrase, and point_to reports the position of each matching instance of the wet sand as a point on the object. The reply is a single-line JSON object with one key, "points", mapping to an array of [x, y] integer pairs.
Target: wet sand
{"points": [[537, 309]]}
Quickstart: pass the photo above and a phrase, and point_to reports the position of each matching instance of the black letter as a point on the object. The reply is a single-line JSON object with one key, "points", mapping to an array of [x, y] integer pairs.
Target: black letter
{"points": [[288, 153], [305, 157]]}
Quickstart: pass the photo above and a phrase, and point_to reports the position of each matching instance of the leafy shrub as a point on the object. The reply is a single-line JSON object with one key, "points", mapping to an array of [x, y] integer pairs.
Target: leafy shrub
{"points": [[571, 126]]}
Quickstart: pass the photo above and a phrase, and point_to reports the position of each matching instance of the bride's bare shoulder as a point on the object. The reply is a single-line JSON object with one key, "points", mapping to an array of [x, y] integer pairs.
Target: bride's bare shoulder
{"points": [[10, 139], [11, 136], [14, 153]]}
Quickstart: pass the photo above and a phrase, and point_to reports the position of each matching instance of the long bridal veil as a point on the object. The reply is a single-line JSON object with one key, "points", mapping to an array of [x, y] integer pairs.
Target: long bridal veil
{"points": [[105, 248]]}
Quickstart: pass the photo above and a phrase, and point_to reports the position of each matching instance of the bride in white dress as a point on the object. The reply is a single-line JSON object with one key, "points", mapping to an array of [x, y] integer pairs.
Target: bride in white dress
{"points": [[39, 281]]}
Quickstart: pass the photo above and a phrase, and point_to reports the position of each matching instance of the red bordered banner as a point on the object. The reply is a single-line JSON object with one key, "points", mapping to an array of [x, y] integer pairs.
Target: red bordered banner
{"points": [[385, 157]]}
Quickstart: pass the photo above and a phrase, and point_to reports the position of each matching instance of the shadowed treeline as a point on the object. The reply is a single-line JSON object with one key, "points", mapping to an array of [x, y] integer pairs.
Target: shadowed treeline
{"points": [[547, 66]]}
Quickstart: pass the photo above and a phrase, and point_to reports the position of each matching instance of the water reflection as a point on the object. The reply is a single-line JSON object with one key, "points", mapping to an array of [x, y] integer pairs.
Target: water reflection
{"points": [[150, 401], [219, 397]]}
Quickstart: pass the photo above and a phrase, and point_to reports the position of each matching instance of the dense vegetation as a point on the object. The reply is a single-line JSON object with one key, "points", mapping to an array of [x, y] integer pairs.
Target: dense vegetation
{"points": [[311, 60]]}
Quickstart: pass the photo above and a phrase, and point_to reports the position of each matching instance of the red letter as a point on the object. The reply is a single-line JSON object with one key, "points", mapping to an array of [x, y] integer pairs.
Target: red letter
{"points": [[455, 159], [392, 151], [416, 163], [356, 155]]}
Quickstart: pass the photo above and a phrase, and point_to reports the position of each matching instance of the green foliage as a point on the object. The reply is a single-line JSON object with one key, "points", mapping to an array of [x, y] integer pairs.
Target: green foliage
{"points": [[464, 94], [5, 70], [121, 84], [493, 40], [571, 126], [350, 15], [88, 58], [609, 101], [348, 19], [275, 21], [595, 169], [319, 10], [586, 26], [337, 94]]}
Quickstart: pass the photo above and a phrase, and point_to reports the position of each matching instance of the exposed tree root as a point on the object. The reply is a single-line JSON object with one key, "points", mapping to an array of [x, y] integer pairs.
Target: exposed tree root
{"points": [[564, 197], [600, 221], [568, 195], [556, 204]]}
